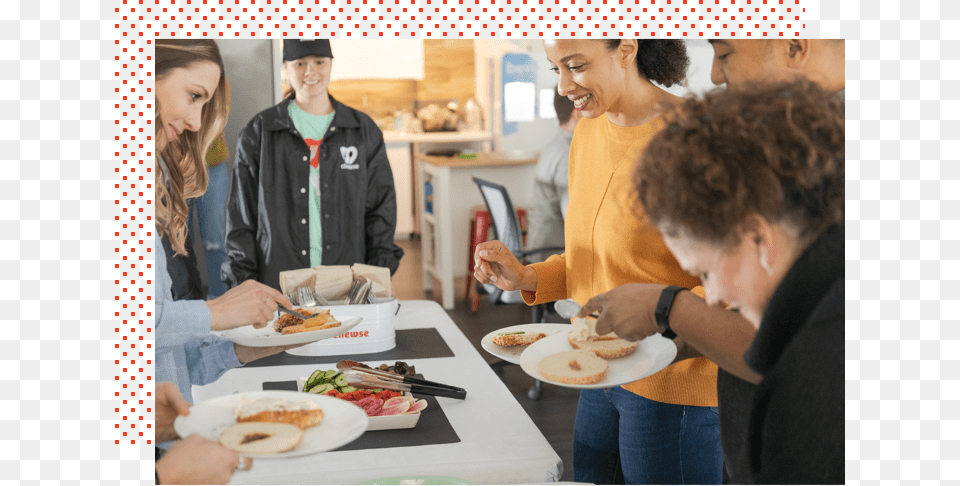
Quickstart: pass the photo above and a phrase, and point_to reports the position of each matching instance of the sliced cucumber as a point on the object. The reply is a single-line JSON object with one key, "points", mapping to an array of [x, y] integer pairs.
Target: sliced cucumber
{"points": [[347, 389], [313, 380], [330, 373], [321, 388], [340, 380]]}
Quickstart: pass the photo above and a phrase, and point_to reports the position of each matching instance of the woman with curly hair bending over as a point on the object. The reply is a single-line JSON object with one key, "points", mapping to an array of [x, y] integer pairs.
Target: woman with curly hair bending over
{"points": [[747, 187], [663, 429]]}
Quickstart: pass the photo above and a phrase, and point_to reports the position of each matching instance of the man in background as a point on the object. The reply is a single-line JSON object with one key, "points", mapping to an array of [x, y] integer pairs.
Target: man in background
{"points": [[819, 60], [550, 185]]}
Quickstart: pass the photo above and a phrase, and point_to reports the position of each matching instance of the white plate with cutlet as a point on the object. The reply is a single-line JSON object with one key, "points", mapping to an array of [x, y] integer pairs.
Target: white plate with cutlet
{"points": [[298, 331], [580, 368], [510, 342], [252, 423]]}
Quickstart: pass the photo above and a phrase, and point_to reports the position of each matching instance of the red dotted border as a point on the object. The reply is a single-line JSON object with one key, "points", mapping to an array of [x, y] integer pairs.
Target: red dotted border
{"points": [[138, 22]]}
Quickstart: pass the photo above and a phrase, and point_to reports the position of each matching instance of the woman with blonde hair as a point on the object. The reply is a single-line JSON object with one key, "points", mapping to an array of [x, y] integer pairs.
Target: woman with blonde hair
{"points": [[191, 97], [191, 107]]}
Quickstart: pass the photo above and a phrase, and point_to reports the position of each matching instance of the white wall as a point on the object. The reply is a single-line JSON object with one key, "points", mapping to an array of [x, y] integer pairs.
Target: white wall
{"points": [[377, 59], [701, 60]]}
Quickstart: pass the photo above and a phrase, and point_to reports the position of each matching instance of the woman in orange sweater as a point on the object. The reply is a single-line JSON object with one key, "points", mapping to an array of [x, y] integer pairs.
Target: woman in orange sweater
{"points": [[663, 429]]}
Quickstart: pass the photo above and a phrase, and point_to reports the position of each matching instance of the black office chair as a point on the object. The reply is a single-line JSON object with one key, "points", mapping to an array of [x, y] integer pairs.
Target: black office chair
{"points": [[506, 228]]}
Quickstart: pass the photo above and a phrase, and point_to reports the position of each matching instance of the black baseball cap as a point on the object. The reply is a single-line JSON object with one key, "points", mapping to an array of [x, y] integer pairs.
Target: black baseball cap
{"points": [[294, 49]]}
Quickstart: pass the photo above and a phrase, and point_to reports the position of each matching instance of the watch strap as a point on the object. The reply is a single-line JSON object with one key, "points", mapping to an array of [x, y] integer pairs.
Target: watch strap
{"points": [[662, 312]]}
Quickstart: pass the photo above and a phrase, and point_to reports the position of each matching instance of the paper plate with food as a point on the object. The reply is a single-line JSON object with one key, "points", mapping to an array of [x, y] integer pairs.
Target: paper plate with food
{"points": [[581, 358], [275, 424], [286, 329], [510, 342]]}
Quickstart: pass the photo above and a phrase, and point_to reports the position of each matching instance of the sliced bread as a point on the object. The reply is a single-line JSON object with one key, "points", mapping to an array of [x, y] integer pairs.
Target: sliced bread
{"points": [[517, 339], [574, 367], [261, 437]]}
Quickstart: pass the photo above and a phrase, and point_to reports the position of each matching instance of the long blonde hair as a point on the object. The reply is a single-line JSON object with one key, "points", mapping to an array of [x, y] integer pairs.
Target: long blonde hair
{"points": [[186, 174]]}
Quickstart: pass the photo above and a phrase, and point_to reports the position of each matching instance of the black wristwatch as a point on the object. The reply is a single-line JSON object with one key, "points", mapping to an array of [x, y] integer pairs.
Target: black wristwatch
{"points": [[662, 312]]}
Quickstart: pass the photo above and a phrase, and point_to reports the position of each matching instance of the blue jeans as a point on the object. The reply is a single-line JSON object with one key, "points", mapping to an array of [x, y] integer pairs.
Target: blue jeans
{"points": [[211, 210], [623, 438]]}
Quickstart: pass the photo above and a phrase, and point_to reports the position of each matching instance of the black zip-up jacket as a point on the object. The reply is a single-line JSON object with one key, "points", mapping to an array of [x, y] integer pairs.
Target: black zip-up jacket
{"points": [[267, 205], [795, 433]]}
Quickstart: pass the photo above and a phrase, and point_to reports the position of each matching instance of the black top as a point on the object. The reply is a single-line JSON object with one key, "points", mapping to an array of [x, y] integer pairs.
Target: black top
{"points": [[735, 397], [795, 433]]}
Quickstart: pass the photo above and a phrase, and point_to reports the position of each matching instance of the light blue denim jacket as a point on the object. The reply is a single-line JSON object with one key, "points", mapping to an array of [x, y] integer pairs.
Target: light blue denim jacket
{"points": [[186, 352]]}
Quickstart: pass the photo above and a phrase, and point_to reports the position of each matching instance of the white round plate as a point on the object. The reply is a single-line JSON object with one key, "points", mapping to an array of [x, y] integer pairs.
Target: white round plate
{"points": [[342, 421], [511, 354], [652, 355], [266, 336]]}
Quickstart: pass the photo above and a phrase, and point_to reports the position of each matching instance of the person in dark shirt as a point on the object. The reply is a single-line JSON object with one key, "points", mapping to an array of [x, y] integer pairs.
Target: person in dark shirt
{"points": [[550, 186]]}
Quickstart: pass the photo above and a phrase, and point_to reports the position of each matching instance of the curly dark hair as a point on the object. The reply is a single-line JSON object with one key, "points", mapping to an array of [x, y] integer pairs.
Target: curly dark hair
{"points": [[776, 150], [662, 61]]}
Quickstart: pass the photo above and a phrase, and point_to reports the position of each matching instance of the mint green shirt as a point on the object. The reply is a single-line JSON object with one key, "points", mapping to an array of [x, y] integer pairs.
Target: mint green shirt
{"points": [[312, 128]]}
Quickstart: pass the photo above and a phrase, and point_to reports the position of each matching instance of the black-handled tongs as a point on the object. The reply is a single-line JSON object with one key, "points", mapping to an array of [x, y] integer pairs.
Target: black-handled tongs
{"points": [[359, 377]]}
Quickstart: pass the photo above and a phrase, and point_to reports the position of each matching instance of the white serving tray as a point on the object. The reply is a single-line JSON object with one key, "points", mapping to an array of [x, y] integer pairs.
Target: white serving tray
{"points": [[386, 422]]}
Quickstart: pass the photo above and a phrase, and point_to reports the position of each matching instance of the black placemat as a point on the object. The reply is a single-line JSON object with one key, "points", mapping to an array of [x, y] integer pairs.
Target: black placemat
{"points": [[280, 385], [432, 428], [411, 344]]}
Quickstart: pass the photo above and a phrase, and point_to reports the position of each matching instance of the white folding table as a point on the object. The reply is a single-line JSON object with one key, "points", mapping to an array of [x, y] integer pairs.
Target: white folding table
{"points": [[499, 443]]}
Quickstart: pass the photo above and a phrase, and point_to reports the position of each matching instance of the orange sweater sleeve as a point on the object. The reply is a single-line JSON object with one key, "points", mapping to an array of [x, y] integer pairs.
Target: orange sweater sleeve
{"points": [[551, 281]]}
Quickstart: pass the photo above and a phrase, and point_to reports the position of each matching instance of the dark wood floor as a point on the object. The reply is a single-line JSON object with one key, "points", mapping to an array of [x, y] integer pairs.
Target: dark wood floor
{"points": [[554, 412]]}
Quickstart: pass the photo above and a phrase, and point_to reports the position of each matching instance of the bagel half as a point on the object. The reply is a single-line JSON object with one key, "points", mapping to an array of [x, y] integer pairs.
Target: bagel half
{"points": [[574, 367], [261, 437], [583, 335]]}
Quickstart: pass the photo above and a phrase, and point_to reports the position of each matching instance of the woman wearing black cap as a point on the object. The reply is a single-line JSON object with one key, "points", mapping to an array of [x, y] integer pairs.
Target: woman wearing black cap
{"points": [[312, 184]]}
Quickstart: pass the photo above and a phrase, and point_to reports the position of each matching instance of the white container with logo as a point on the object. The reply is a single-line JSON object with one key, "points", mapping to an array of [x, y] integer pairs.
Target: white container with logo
{"points": [[374, 334]]}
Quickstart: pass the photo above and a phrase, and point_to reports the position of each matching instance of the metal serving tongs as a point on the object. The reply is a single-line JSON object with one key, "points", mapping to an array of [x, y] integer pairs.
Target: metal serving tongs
{"points": [[358, 377]]}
